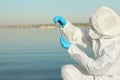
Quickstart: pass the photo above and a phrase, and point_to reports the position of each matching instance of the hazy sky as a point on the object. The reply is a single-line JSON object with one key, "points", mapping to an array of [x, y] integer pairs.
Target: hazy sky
{"points": [[20, 12]]}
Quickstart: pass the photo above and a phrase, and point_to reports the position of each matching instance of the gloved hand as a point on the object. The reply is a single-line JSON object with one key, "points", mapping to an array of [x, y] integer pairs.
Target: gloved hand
{"points": [[60, 20], [65, 44]]}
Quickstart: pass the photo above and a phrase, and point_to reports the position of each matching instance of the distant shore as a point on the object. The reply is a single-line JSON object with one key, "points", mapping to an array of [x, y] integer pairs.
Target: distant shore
{"points": [[43, 26]]}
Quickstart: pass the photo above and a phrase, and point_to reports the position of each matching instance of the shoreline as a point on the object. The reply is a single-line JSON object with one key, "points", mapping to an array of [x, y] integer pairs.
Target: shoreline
{"points": [[46, 26]]}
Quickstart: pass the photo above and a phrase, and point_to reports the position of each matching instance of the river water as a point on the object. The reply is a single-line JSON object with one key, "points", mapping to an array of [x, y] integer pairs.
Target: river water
{"points": [[31, 54]]}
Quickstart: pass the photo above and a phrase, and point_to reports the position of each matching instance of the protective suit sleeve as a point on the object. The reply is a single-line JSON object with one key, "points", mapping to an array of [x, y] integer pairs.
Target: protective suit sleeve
{"points": [[99, 66], [77, 35]]}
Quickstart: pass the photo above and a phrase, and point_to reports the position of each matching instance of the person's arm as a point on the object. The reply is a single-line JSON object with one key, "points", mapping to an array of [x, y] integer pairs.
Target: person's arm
{"points": [[77, 35], [99, 66], [74, 34]]}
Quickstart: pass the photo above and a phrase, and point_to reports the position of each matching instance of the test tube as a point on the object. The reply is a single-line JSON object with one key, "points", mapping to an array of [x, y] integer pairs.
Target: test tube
{"points": [[59, 29]]}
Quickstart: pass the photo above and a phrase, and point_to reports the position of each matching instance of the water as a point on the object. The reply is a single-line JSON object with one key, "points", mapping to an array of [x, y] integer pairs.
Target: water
{"points": [[31, 54]]}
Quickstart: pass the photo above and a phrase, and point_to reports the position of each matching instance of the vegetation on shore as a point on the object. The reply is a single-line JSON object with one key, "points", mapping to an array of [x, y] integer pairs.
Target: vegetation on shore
{"points": [[43, 25]]}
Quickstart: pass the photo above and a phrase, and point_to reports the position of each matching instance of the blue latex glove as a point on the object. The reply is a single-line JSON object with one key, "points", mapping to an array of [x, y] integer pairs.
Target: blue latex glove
{"points": [[60, 20], [65, 44]]}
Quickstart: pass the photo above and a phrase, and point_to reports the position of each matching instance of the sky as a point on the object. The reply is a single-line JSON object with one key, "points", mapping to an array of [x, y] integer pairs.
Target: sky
{"points": [[28, 12]]}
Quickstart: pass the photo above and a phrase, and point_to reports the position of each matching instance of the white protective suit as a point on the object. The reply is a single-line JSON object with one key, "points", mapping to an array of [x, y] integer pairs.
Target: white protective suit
{"points": [[104, 38]]}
